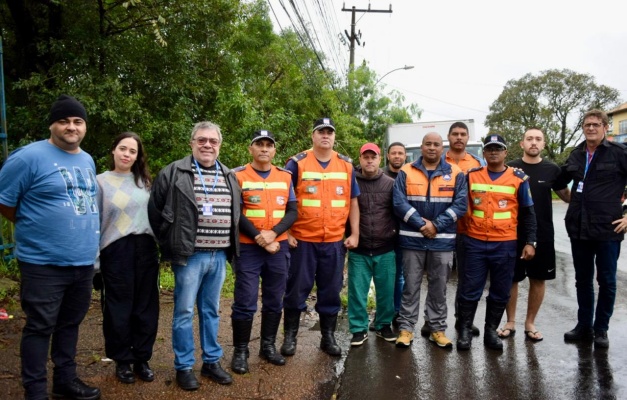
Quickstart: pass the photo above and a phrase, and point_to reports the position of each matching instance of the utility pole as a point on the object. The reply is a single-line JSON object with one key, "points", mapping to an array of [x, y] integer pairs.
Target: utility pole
{"points": [[353, 37]]}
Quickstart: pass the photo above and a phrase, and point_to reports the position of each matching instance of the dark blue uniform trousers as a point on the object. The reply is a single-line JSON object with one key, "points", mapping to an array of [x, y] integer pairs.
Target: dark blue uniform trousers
{"points": [[322, 263], [253, 263], [481, 257]]}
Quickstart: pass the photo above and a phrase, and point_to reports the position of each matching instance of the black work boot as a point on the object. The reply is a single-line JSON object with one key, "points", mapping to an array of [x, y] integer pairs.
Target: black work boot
{"points": [[241, 337], [269, 326], [493, 314], [473, 328], [466, 316], [291, 321], [327, 329]]}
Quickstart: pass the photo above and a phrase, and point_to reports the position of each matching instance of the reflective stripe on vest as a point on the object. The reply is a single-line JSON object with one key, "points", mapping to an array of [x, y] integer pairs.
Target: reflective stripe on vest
{"points": [[433, 199], [264, 185], [320, 176], [317, 203], [492, 188], [262, 213], [496, 215], [420, 235]]}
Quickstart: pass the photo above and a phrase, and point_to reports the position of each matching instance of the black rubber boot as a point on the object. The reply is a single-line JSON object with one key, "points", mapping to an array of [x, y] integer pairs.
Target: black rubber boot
{"points": [[493, 314], [241, 337], [458, 326], [291, 321], [466, 311], [269, 326], [327, 329]]}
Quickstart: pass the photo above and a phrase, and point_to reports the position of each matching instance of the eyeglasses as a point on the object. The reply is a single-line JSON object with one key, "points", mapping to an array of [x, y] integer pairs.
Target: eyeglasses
{"points": [[493, 149], [203, 141], [595, 126]]}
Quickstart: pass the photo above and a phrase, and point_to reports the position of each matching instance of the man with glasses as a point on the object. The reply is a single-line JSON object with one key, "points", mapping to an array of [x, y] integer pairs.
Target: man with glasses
{"points": [[499, 200], [194, 210], [595, 224]]}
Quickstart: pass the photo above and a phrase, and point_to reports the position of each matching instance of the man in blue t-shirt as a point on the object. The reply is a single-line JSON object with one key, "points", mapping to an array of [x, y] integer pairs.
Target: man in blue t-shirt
{"points": [[48, 189]]}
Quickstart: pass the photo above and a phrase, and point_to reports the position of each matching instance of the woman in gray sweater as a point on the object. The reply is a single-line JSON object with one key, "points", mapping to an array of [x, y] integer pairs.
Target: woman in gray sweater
{"points": [[128, 261]]}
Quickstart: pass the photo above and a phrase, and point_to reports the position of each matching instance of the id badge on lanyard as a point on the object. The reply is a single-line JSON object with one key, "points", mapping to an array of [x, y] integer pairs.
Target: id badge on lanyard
{"points": [[207, 208]]}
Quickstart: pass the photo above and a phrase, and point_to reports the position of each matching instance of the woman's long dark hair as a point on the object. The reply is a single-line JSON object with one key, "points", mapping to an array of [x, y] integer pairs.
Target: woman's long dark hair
{"points": [[140, 167]]}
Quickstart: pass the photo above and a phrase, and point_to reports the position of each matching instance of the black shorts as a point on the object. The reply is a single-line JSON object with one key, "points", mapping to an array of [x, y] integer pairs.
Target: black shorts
{"points": [[541, 266]]}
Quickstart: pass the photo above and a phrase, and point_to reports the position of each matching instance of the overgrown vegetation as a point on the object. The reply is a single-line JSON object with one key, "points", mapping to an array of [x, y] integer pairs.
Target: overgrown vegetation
{"points": [[155, 67], [9, 278]]}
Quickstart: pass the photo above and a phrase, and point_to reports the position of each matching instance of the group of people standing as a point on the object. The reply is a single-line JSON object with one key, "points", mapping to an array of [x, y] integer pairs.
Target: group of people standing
{"points": [[290, 229], [496, 218]]}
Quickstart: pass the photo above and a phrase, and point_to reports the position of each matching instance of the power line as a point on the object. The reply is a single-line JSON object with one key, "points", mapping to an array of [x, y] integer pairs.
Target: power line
{"points": [[303, 43]]}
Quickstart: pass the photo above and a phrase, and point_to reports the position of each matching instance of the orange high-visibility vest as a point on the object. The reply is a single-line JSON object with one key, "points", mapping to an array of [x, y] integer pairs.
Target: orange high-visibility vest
{"points": [[420, 191], [492, 205], [264, 200], [323, 198], [465, 165]]}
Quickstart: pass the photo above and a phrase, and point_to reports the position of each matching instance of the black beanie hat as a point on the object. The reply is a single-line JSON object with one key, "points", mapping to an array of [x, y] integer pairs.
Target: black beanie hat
{"points": [[66, 106]]}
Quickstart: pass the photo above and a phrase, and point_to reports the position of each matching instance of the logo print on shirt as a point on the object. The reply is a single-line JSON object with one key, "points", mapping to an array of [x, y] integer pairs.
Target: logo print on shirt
{"points": [[81, 190]]}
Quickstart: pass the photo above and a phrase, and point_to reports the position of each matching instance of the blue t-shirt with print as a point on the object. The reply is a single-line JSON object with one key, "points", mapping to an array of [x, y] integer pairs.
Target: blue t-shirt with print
{"points": [[54, 193]]}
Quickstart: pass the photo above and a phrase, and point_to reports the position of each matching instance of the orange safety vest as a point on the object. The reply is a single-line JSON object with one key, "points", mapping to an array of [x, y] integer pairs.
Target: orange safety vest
{"points": [[465, 165], [429, 197], [492, 205], [440, 190], [323, 196], [264, 200]]}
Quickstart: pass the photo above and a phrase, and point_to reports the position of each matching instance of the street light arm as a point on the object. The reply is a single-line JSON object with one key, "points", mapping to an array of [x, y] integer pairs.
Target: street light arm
{"points": [[388, 73]]}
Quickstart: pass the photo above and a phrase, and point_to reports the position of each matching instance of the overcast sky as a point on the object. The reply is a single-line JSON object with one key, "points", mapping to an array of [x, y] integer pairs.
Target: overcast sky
{"points": [[465, 51]]}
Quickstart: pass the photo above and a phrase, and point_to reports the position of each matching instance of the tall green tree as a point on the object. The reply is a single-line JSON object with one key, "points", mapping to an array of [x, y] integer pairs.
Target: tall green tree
{"points": [[158, 66], [554, 101]]}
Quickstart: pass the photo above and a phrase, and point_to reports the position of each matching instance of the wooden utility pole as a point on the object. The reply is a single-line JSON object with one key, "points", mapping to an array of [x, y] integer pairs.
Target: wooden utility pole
{"points": [[353, 37]]}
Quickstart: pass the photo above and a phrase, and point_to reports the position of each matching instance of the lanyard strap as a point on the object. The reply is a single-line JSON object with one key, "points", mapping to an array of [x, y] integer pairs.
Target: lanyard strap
{"points": [[202, 180], [588, 162]]}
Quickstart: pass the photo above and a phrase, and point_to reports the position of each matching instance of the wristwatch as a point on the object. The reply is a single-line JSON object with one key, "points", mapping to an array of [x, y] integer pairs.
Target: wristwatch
{"points": [[532, 244]]}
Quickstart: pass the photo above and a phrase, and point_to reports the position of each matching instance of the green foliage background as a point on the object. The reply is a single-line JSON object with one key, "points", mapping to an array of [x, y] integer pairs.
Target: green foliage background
{"points": [[156, 67]]}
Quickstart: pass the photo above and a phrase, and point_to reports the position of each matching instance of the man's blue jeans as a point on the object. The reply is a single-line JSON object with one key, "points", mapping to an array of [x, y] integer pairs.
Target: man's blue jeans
{"points": [[199, 282], [587, 253]]}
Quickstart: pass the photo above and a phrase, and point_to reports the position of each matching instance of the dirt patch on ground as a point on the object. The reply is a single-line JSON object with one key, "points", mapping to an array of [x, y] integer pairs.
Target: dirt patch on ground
{"points": [[310, 374]]}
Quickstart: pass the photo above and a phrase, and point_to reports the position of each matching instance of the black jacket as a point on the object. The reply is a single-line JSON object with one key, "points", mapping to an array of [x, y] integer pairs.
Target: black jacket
{"points": [[378, 227], [591, 211], [173, 212]]}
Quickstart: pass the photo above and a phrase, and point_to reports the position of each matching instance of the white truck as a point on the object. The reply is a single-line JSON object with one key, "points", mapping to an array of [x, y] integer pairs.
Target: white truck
{"points": [[411, 135]]}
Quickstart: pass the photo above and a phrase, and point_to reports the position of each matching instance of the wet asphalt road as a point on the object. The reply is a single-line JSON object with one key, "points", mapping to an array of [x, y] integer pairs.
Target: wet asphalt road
{"points": [[550, 369]]}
